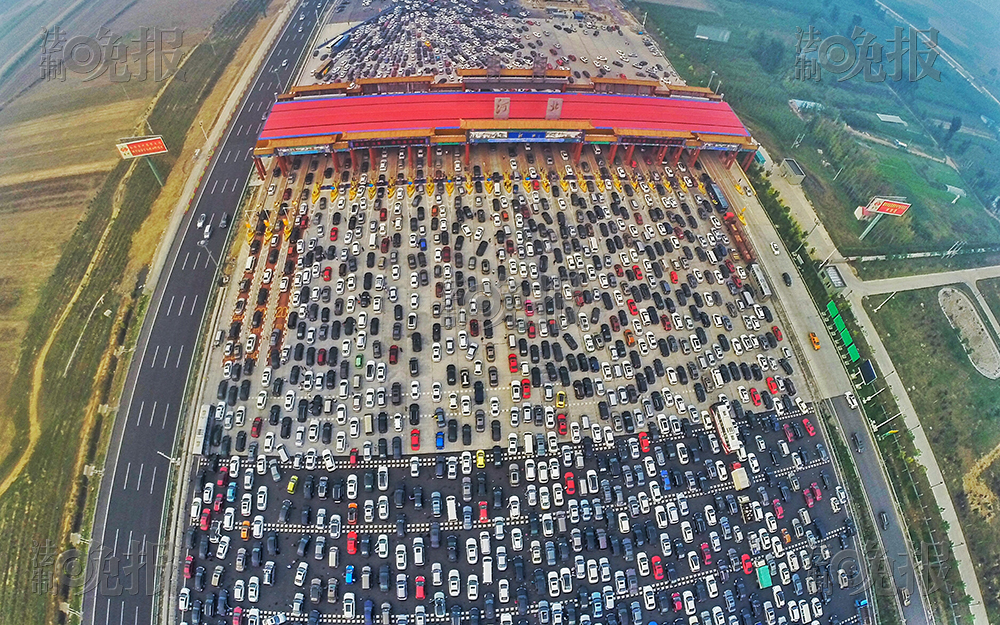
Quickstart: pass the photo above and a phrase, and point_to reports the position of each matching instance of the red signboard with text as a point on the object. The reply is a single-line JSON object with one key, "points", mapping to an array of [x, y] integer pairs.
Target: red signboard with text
{"points": [[888, 207], [141, 146]]}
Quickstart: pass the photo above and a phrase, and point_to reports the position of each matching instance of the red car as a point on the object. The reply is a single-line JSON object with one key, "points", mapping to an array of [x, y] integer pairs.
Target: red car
{"points": [[415, 440], [776, 332], [531, 330], [789, 434], [237, 615], [561, 424], [809, 498], [706, 554], [529, 308], [526, 388], [778, 510], [673, 277], [393, 354], [754, 397], [817, 493], [615, 326], [638, 218], [206, 514], [619, 271], [637, 271], [255, 428], [747, 564], [570, 483], [474, 327], [644, 442], [352, 542], [676, 599], [512, 361], [657, 567], [578, 298], [327, 273], [772, 386], [420, 587], [809, 427], [188, 567], [352, 513], [446, 254], [354, 456], [483, 512], [632, 308], [217, 504], [333, 234]]}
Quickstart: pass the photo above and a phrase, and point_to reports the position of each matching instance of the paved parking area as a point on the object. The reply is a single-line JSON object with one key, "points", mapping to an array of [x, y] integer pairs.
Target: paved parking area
{"points": [[415, 38], [594, 313]]}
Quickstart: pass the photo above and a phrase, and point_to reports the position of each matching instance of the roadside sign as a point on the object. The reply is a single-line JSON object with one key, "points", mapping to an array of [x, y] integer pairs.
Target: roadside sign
{"points": [[852, 351], [846, 337], [134, 147]]}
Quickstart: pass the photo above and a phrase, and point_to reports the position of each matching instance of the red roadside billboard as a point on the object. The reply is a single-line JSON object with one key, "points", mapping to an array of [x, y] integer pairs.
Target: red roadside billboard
{"points": [[141, 146]]}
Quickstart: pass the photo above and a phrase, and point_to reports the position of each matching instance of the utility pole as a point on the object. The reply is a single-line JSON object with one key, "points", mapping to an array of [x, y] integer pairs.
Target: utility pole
{"points": [[839, 172], [884, 303]]}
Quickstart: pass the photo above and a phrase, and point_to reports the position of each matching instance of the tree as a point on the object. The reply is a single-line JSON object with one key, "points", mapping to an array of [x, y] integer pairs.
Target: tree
{"points": [[956, 124]]}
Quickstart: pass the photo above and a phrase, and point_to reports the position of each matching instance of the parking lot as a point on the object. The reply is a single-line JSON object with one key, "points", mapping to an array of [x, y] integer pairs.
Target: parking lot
{"points": [[417, 38], [513, 388]]}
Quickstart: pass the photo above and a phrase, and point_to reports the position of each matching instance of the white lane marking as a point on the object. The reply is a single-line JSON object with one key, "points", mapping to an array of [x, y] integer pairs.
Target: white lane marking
{"points": [[138, 482], [171, 304], [179, 355], [152, 362], [193, 304], [167, 357], [124, 484]]}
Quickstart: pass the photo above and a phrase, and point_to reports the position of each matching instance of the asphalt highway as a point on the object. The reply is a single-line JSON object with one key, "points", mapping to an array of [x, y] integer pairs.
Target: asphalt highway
{"points": [[120, 585], [832, 381]]}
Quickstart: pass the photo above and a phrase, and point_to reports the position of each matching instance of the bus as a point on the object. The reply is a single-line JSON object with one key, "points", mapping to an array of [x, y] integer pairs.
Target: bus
{"points": [[323, 70], [203, 425], [759, 281], [724, 427]]}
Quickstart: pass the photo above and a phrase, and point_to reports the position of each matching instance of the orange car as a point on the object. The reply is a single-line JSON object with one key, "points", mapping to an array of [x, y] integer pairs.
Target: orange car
{"points": [[815, 341]]}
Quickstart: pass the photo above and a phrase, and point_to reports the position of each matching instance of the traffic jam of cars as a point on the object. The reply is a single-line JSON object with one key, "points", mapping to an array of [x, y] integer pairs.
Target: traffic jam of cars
{"points": [[530, 390]]}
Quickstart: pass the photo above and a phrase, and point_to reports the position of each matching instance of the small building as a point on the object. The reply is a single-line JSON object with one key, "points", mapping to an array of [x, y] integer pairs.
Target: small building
{"points": [[792, 171]]}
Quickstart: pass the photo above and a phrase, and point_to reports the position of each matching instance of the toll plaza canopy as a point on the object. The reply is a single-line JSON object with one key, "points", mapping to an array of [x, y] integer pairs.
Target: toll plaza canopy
{"points": [[323, 124]]}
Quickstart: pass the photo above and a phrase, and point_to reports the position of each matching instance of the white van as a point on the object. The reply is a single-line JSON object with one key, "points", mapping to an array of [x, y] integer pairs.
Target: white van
{"points": [[251, 263], [529, 444], [452, 508], [369, 424], [283, 453], [487, 569], [334, 557]]}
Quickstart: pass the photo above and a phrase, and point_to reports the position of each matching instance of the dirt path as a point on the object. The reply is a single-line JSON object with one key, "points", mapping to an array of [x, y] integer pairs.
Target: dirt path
{"points": [[38, 372]]}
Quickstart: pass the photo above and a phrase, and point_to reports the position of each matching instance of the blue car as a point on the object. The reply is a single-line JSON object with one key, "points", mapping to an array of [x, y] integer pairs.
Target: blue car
{"points": [[665, 475], [231, 492], [349, 574], [439, 440]]}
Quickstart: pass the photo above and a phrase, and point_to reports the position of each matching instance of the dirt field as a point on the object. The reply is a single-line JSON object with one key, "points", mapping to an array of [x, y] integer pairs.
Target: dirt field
{"points": [[59, 145], [979, 345]]}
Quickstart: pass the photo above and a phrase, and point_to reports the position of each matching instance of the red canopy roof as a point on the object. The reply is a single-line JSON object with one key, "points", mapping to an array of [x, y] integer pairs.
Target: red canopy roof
{"points": [[327, 116]]}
